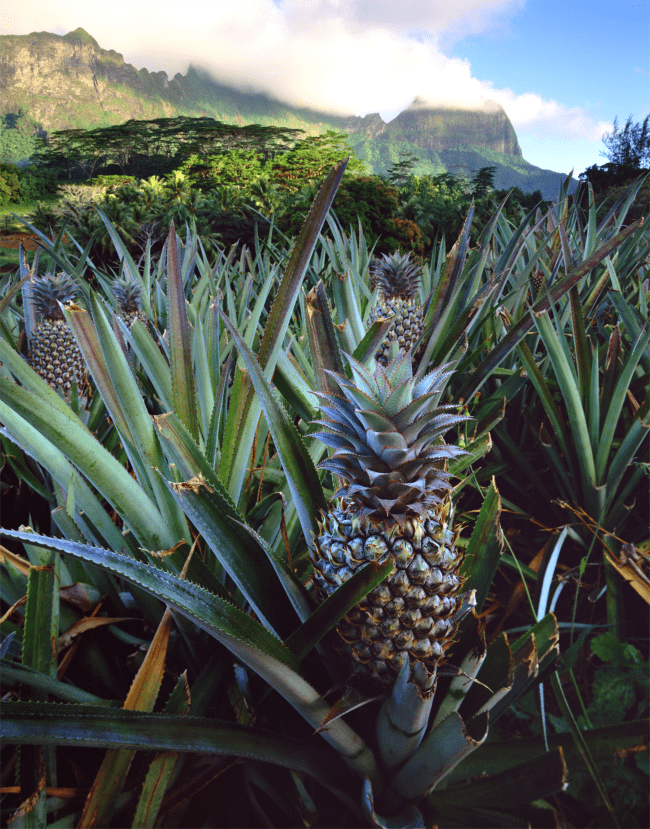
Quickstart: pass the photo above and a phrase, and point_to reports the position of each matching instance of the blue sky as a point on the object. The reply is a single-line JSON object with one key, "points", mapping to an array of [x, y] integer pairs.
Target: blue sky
{"points": [[562, 69]]}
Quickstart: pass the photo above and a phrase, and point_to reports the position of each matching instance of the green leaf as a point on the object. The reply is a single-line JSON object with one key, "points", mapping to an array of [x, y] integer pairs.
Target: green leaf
{"points": [[14, 673], [322, 339], [62, 471], [575, 411], [332, 610], [183, 386], [41, 632], [496, 756], [523, 326], [301, 473], [243, 559], [580, 741], [245, 637], [242, 419], [444, 747], [50, 724], [616, 402], [153, 362], [540, 777], [485, 547], [103, 471]]}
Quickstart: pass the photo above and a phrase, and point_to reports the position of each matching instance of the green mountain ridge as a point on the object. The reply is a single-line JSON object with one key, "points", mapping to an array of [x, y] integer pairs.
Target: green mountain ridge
{"points": [[69, 81]]}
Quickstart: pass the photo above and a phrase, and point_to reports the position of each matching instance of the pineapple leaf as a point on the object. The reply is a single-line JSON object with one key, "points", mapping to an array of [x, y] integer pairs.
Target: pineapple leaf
{"points": [[484, 548], [56, 724], [183, 386], [153, 362], [299, 468], [245, 562], [523, 326], [446, 745], [242, 419], [103, 471]]}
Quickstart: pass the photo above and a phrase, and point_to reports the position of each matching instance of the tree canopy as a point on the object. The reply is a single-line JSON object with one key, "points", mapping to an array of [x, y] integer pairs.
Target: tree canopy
{"points": [[134, 145], [629, 145]]}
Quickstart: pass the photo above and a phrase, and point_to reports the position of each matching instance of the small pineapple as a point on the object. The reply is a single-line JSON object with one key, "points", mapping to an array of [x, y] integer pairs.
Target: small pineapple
{"points": [[398, 280], [128, 295], [53, 351], [387, 434]]}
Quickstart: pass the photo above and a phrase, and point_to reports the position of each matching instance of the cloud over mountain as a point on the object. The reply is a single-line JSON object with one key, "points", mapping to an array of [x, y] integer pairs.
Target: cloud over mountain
{"points": [[354, 56]]}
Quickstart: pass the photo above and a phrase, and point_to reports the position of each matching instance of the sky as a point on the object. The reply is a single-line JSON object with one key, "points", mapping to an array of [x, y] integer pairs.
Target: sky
{"points": [[561, 69]]}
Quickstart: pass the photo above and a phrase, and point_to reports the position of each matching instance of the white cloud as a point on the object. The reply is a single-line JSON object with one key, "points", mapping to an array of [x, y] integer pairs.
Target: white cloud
{"points": [[355, 56]]}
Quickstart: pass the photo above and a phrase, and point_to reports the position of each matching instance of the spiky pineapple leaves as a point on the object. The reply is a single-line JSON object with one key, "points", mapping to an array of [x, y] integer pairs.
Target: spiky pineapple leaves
{"points": [[299, 468], [183, 386], [485, 547], [86, 725], [109, 780], [523, 325], [245, 409], [39, 652], [249, 640]]}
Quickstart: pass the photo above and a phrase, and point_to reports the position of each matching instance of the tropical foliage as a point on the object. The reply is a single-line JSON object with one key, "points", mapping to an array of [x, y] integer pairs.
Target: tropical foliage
{"points": [[165, 658]]}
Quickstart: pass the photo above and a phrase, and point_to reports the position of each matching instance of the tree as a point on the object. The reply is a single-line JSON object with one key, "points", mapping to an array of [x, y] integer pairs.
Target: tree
{"points": [[483, 181], [629, 146], [400, 172], [312, 158]]}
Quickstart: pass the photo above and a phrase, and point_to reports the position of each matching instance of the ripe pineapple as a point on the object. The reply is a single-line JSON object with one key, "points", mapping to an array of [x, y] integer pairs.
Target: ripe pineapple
{"points": [[128, 296], [398, 280], [53, 351], [387, 435]]}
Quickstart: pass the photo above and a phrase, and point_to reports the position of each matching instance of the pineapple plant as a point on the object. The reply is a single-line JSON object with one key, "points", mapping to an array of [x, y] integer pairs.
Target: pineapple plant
{"points": [[386, 429], [53, 351], [397, 277], [128, 295]]}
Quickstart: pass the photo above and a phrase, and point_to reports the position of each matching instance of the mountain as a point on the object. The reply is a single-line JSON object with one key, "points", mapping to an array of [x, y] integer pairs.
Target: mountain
{"points": [[439, 128], [69, 81]]}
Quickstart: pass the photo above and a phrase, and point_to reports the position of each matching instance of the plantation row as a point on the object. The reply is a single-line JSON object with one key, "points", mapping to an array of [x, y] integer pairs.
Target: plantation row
{"points": [[308, 529]]}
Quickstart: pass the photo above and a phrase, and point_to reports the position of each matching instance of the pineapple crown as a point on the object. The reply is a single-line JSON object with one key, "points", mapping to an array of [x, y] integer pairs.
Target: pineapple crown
{"points": [[386, 430], [51, 290], [127, 294], [396, 275]]}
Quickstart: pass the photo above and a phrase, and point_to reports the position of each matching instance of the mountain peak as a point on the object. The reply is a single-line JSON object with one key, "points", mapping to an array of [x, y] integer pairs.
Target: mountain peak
{"points": [[479, 105], [446, 126], [81, 36]]}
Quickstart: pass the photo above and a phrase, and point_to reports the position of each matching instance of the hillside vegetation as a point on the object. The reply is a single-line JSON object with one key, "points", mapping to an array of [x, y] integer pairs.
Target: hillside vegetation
{"points": [[69, 82]]}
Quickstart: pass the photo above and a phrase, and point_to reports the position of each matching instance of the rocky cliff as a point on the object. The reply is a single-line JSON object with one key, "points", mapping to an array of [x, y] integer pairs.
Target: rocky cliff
{"points": [[70, 82], [443, 128]]}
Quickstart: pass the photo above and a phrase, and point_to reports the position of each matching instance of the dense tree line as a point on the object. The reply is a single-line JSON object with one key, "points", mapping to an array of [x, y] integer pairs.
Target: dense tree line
{"points": [[230, 180]]}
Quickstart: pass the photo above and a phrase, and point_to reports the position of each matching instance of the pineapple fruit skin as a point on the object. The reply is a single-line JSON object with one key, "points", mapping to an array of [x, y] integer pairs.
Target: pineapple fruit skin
{"points": [[128, 296], [413, 614], [407, 326], [398, 278], [53, 350], [55, 356]]}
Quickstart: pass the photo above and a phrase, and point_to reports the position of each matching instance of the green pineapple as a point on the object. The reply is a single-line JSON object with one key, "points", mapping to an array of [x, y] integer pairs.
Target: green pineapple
{"points": [[128, 295], [53, 351], [387, 434], [398, 280]]}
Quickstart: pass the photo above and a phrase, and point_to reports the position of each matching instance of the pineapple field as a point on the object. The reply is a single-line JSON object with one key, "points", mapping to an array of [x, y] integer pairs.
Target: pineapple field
{"points": [[347, 536]]}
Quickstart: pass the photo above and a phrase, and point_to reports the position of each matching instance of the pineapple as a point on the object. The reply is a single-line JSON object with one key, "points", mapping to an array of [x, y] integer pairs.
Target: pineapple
{"points": [[53, 351], [387, 434], [398, 280], [128, 295]]}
